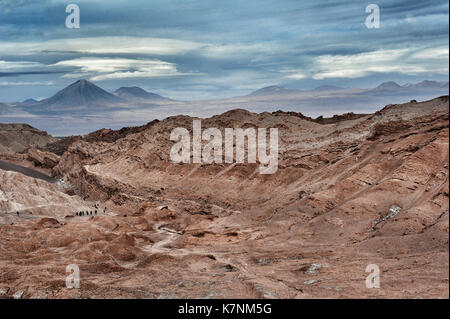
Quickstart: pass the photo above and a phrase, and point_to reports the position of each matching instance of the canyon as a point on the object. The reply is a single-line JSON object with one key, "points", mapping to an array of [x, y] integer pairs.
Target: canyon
{"points": [[350, 191]]}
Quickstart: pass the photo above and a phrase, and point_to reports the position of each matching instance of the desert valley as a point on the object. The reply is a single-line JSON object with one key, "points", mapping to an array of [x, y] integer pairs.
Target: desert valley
{"points": [[351, 190]]}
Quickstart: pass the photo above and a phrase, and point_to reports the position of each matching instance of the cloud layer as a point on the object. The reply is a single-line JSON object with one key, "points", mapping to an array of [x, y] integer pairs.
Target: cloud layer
{"points": [[212, 49]]}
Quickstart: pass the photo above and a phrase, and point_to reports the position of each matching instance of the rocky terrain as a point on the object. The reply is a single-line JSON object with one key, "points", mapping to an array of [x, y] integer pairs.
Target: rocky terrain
{"points": [[350, 191], [17, 138]]}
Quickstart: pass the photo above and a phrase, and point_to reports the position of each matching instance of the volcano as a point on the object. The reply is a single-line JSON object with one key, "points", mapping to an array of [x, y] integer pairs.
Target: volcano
{"points": [[79, 95]]}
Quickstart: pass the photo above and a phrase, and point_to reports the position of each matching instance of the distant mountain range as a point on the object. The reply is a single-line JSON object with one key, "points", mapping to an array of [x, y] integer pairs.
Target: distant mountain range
{"points": [[392, 87], [385, 87], [83, 95], [83, 106], [428, 85]]}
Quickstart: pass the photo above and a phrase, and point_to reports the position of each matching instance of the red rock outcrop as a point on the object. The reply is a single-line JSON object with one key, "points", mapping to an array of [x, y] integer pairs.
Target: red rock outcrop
{"points": [[42, 159]]}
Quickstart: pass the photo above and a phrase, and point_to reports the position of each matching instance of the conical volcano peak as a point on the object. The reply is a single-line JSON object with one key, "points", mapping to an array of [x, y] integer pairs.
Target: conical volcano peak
{"points": [[83, 82], [81, 93]]}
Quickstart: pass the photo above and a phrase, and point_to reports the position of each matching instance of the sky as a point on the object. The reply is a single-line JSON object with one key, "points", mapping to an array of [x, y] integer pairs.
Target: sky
{"points": [[209, 49]]}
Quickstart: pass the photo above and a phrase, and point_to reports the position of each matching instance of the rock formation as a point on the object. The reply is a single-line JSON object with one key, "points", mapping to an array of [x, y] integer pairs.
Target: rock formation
{"points": [[17, 138]]}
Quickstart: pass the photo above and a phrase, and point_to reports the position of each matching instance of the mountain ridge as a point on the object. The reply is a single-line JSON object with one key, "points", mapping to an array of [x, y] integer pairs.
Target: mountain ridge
{"points": [[135, 92]]}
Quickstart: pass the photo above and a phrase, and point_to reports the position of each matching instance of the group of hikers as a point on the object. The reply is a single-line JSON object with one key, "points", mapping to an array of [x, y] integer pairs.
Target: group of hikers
{"points": [[81, 213], [90, 212], [85, 213]]}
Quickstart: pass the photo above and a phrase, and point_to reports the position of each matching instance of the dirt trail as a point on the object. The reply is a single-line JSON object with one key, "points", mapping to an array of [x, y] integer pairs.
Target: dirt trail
{"points": [[171, 236], [26, 171]]}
